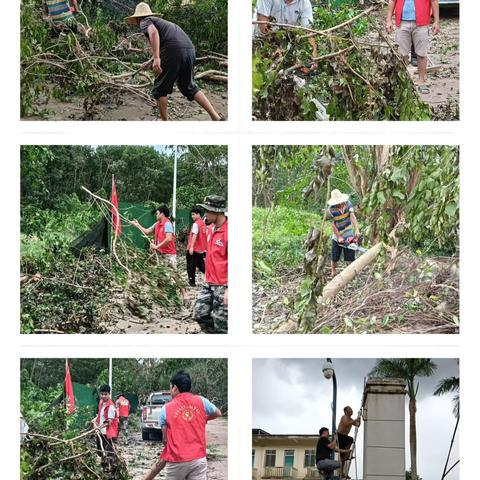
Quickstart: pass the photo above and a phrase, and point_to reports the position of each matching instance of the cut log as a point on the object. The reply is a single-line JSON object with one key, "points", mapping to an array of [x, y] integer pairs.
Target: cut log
{"points": [[343, 278]]}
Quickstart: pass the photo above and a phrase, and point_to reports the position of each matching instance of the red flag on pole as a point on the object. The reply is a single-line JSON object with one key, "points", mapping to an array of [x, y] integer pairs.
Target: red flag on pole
{"points": [[116, 222], [69, 390]]}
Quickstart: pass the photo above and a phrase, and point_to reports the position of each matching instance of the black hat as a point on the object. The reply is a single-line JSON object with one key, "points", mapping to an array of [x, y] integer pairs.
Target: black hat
{"points": [[214, 203]]}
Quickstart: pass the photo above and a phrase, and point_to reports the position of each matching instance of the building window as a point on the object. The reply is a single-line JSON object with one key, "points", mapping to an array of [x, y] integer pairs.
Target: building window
{"points": [[270, 458], [289, 458], [309, 460], [253, 458]]}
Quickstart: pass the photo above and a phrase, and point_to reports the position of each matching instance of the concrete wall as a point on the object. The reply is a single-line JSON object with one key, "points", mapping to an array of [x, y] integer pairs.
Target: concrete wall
{"points": [[384, 429]]}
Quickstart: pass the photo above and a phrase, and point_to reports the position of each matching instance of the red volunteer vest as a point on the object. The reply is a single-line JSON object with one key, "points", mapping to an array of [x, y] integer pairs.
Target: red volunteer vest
{"points": [[112, 429], [186, 420], [123, 407], [201, 243], [160, 236], [216, 263], [422, 12]]}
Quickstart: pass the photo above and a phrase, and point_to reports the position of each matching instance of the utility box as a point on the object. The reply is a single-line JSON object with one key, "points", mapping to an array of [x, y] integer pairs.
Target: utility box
{"points": [[384, 429]]}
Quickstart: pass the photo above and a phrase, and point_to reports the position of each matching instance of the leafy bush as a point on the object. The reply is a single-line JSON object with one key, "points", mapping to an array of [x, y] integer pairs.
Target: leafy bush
{"points": [[278, 236]]}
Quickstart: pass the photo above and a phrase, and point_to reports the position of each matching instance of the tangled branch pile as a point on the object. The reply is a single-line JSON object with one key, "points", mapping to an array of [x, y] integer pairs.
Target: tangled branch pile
{"points": [[63, 293], [99, 68], [360, 75], [44, 457]]}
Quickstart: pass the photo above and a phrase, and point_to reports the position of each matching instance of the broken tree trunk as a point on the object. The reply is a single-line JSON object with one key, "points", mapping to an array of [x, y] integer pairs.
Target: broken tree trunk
{"points": [[347, 275]]}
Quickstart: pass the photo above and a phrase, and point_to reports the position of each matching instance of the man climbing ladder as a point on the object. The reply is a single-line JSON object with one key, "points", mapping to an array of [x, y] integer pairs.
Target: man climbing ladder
{"points": [[345, 442]]}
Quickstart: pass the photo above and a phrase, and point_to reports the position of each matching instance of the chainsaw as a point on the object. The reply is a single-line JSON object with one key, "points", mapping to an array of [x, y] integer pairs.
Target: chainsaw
{"points": [[352, 246]]}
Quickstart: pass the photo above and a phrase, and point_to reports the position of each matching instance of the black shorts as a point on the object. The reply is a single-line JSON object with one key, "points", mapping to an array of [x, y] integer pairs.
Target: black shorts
{"points": [[177, 67], [348, 255], [344, 441]]}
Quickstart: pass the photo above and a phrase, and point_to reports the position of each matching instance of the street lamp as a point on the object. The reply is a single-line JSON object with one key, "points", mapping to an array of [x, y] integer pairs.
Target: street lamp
{"points": [[329, 373]]}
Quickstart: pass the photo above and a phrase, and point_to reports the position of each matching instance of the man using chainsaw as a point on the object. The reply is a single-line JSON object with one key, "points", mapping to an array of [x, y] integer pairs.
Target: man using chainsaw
{"points": [[345, 228]]}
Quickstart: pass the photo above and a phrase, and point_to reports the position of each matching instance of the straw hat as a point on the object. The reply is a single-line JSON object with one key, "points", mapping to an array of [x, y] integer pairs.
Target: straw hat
{"points": [[337, 197], [141, 10]]}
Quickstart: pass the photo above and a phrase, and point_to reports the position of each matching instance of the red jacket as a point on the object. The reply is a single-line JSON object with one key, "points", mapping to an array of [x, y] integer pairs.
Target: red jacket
{"points": [[201, 242], [123, 406], [112, 429], [423, 9], [160, 235], [216, 264], [186, 420]]}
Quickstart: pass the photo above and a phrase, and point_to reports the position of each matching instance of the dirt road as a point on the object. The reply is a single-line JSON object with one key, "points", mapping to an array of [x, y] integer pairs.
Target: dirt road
{"points": [[140, 455], [178, 320], [130, 107]]}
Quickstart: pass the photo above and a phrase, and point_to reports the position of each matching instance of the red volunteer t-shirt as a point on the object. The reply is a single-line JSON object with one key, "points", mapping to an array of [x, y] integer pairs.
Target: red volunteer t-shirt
{"points": [[216, 263], [112, 429], [201, 242], [160, 235], [123, 407], [422, 12], [186, 420]]}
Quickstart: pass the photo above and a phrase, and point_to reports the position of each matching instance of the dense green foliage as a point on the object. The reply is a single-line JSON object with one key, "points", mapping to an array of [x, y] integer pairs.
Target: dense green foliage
{"points": [[420, 184], [62, 292], [143, 173], [65, 65], [364, 82]]}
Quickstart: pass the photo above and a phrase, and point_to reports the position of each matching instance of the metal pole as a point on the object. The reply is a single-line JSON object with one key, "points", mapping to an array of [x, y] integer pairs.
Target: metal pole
{"points": [[334, 404], [110, 382], [174, 203]]}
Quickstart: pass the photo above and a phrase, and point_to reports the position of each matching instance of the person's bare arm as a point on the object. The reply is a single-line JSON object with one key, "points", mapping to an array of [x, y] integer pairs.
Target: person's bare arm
{"points": [[313, 42], [264, 28], [146, 231], [168, 239], [355, 224], [75, 6], [164, 434], [391, 8], [154, 38], [194, 240], [336, 232], [215, 415], [436, 17]]}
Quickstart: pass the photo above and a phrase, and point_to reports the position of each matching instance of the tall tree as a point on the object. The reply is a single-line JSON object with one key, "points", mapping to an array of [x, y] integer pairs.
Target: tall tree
{"points": [[450, 385], [409, 369]]}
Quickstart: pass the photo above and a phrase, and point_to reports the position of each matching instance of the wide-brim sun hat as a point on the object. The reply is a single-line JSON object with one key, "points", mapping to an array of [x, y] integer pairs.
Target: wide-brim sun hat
{"points": [[141, 10], [337, 197], [214, 203]]}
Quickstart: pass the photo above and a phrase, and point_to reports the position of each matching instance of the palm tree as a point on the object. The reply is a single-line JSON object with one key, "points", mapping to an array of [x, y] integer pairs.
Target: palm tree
{"points": [[408, 369], [450, 385]]}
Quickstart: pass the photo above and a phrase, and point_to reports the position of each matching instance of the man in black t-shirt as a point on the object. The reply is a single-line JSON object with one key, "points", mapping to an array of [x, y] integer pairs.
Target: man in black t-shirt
{"points": [[173, 60], [325, 447]]}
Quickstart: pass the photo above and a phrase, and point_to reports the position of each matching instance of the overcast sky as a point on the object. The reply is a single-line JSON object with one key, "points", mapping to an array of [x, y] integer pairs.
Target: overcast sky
{"points": [[292, 396]]}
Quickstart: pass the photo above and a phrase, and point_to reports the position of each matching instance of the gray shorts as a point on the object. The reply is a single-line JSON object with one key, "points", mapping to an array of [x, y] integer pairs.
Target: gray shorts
{"points": [[193, 470], [409, 33]]}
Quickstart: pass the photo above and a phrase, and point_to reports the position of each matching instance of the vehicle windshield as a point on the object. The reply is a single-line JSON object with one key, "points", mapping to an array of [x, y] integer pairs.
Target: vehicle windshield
{"points": [[160, 399]]}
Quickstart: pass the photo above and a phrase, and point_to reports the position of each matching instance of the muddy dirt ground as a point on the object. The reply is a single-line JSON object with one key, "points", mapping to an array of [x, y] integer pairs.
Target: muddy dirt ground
{"points": [[131, 107], [177, 320], [443, 78], [141, 455]]}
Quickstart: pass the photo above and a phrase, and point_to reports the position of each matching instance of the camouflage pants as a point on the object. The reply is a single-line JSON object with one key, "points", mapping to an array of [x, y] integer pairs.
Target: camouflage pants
{"points": [[209, 308]]}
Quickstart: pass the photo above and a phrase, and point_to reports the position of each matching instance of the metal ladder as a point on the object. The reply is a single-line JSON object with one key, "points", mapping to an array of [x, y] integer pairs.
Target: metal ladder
{"points": [[348, 463]]}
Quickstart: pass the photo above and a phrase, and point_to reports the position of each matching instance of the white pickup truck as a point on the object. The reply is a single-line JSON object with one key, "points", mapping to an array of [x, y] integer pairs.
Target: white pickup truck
{"points": [[151, 429]]}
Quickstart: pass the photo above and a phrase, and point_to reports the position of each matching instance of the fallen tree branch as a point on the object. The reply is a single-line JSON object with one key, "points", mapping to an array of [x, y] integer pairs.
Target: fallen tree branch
{"points": [[342, 279]]}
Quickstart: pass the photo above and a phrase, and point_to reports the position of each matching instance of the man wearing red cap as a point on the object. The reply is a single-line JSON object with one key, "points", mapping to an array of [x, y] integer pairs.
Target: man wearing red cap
{"points": [[412, 18]]}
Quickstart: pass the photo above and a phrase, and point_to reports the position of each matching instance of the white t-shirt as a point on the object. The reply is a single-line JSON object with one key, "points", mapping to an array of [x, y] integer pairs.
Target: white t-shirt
{"points": [[298, 12], [111, 415]]}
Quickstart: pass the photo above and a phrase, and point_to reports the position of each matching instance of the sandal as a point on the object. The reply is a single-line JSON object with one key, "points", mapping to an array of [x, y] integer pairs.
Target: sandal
{"points": [[423, 89]]}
